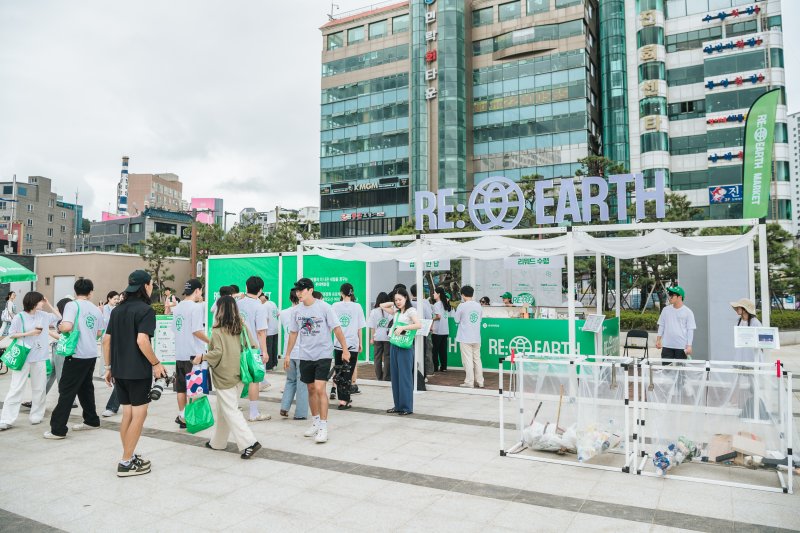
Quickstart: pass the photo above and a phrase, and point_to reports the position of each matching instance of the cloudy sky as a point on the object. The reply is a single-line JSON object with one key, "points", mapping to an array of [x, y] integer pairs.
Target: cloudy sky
{"points": [[223, 93]]}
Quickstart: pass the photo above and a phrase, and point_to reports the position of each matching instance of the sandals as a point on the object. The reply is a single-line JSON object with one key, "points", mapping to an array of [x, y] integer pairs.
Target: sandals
{"points": [[348, 405], [284, 414]]}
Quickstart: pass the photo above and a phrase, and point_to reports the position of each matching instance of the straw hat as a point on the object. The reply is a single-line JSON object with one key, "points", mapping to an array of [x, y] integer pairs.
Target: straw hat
{"points": [[747, 304]]}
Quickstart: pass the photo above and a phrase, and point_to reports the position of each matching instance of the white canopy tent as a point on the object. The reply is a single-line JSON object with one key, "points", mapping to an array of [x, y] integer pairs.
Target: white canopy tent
{"points": [[569, 242]]}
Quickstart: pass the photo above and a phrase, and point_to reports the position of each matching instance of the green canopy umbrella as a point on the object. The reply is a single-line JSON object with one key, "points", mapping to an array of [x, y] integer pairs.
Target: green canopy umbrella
{"points": [[13, 271]]}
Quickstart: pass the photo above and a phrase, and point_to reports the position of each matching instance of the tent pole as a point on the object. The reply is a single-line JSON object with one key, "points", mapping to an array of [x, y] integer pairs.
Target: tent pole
{"points": [[419, 344], [762, 257], [367, 307], [751, 260], [279, 302], [571, 289], [598, 287], [299, 259], [617, 287]]}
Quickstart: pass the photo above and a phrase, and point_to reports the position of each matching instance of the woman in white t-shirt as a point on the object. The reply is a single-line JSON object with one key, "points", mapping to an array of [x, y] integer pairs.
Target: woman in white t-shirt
{"points": [[440, 329], [378, 323], [402, 359], [746, 309], [9, 311], [31, 328], [351, 318]]}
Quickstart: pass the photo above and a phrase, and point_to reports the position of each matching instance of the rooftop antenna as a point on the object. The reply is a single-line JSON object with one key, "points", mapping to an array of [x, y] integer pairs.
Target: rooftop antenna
{"points": [[333, 6]]}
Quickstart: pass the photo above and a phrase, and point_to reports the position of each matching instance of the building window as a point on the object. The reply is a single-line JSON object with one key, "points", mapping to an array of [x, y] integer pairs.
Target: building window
{"points": [[30, 208], [651, 35], [400, 24], [51, 204], [123, 229], [692, 39], [28, 237], [566, 3], [49, 232], [655, 142], [22, 191], [49, 245], [482, 17], [378, 29], [654, 70], [685, 75], [50, 217], [509, 11], [654, 105], [735, 63], [687, 110], [335, 40], [169, 229], [691, 144], [8, 189], [776, 57], [29, 222], [28, 251], [355, 35], [64, 215], [63, 229], [136, 227], [2, 205]]}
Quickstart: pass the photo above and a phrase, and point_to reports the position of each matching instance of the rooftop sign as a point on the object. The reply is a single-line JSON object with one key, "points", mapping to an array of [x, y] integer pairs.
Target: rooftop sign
{"points": [[499, 203]]}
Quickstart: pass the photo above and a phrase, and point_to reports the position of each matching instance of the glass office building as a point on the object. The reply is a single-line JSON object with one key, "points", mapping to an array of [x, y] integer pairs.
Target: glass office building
{"points": [[427, 95]]}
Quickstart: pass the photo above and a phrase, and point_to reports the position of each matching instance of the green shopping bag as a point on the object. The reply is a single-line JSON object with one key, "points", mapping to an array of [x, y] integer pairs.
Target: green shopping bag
{"points": [[16, 354], [198, 415], [403, 340], [250, 365], [68, 341]]}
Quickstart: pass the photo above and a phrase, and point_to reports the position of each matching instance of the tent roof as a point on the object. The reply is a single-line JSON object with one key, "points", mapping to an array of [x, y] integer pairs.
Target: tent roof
{"points": [[10, 271], [434, 247]]}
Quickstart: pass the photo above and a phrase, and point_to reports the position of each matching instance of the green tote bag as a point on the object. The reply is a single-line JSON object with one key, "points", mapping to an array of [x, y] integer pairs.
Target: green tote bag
{"points": [[68, 341], [403, 340], [16, 354]]}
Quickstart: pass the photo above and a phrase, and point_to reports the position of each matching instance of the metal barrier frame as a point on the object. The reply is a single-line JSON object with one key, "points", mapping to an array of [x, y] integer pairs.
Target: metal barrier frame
{"points": [[785, 417], [517, 371]]}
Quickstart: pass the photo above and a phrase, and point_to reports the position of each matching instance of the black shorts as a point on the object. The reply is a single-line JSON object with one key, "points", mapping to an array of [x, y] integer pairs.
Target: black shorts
{"points": [[133, 392], [311, 371], [181, 369]]}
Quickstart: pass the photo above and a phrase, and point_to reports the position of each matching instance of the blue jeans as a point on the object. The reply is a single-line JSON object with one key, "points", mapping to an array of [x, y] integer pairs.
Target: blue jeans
{"points": [[401, 363], [294, 385]]}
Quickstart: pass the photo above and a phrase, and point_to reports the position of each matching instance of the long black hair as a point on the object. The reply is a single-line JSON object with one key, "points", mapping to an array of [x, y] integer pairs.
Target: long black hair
{"points": [[404, 293], [140, 295], [347, 290], [382, 298], [443, 298]]}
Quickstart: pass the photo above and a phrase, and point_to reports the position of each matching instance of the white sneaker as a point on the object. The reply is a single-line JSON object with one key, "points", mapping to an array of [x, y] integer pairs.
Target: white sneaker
{"points": [[322, 436], [312, 431], [4, 426], [465, 385], [107, 413], [50, 436], [83, 427], [35, 422], [260, 418]]}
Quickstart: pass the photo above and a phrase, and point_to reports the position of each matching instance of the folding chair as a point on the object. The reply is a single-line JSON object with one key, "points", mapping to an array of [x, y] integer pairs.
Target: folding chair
{"points": [[638, 344]]}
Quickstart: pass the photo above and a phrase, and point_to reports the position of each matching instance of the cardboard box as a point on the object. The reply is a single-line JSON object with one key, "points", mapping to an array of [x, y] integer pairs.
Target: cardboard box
{"points": [[749, 444]]}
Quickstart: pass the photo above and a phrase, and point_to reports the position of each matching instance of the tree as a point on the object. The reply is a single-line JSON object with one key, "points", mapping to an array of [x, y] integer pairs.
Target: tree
{"points": [[598, 165], [283, 238], [158, 250], [86, 225]]}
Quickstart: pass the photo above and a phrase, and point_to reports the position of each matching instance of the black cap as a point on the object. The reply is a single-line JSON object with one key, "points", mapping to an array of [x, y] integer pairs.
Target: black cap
{"points": [[303, 283], [137, 279], [192, 285]]}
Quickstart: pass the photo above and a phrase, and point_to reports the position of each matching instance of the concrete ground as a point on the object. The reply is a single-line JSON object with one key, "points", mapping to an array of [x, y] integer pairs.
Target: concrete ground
{"points": [[439, 469]]}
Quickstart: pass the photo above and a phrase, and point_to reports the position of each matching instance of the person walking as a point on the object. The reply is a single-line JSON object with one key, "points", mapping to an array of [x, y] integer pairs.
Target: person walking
{"points": [[170, 301], [224, 353], [31, 328], [676, 327], [189, 328], [314, 320], [131, 365], [294, 388], [85, 319], [9, 312], [378, 323], [273, 327], [440, 331], [468, 317], [402, 359], [255, 318], [746, 309], [352, 321]]}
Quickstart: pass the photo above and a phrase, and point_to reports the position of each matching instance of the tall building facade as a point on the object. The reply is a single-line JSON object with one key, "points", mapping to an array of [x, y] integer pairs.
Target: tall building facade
{"points": [[158, 191], [441, 94], [39, 219], [794, 163], [693, 69]]}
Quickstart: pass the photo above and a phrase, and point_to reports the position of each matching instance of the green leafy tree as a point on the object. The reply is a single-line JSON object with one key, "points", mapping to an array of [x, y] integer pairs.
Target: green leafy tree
{"points": [[158, 250], [283, 237]]}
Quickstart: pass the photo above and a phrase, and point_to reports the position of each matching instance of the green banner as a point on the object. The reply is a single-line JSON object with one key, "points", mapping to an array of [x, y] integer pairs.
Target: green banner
{"points": [[235, 271], [759, 137]]}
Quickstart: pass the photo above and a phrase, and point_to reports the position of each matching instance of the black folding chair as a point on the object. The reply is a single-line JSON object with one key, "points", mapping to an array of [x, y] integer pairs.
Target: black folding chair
{"points": [[641, 338]]}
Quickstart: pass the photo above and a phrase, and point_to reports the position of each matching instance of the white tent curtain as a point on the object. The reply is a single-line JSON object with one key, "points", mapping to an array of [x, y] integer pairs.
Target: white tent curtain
{"points": [[497, 247]]}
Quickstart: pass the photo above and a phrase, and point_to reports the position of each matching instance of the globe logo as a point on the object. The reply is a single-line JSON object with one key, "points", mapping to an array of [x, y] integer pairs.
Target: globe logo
{"points": [[344, 320], [760, 135], [524, 298], [383, 322], [491, 200], [90, 322], [178, 323], [520, 345], [473, 317]]}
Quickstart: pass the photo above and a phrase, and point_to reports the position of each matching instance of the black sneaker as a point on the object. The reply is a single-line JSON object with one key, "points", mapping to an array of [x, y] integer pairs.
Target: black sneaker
{"points": [[354, 389], [181, 422], [27, 404], [137, 467], [145, 463], [250, 450], [333, 393]]}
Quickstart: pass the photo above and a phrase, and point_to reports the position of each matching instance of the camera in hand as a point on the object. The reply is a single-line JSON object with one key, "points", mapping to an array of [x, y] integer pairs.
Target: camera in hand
{"points": [[159, 385], [342, 375]]}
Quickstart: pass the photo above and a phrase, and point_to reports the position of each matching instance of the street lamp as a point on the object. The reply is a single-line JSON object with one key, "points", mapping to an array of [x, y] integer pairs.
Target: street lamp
{"points": [[225, 224]]}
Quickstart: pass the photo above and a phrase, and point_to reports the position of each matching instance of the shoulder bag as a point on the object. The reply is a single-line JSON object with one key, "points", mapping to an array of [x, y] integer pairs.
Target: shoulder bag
{"points": [[16, 354], [68, 341], [401, 340]]}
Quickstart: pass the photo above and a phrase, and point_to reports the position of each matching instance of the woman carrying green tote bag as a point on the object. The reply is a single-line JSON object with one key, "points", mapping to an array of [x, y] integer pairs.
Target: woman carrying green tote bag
{"points": [[30, 331], [224, 360], [401, 349]]}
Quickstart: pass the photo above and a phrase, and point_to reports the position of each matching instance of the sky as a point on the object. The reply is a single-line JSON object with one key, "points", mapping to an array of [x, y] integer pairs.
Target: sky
{"points": [[225, 94]]}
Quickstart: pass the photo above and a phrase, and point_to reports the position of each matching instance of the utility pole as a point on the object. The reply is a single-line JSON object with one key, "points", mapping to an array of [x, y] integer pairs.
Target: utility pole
{"points": [[194, 244]]}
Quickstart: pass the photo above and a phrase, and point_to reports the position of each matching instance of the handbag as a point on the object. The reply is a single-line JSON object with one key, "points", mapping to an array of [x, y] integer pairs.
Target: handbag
{"points": [[250, 365], [198, 415], [197, 381], [16, 354], [402, 340], [68, 341]]}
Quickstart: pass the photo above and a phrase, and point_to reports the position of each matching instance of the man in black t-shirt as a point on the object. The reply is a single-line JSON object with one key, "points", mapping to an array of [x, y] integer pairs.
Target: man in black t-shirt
{"points": [[131, 365]]}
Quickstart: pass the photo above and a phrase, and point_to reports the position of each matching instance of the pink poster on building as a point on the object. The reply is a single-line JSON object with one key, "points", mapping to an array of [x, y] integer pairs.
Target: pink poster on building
{"points": [[207, 209]]}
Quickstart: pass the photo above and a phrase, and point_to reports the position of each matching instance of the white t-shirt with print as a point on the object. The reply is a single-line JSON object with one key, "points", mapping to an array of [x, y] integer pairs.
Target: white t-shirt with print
{"points": [[273, 324], [351, 318], [286, 316], [441, 326], [468, 316], [188, 317], [254, 314], [313, 325], [379, 322], [39, 344], [90, 322]]}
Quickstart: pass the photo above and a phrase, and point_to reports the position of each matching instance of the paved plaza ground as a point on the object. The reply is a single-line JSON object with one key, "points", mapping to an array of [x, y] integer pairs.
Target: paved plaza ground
{"points": [[437, 470]]}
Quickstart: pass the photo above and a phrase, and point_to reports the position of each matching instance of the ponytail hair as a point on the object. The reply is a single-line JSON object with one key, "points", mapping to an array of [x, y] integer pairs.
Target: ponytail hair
{"points": [[444, 299], [347, 290]]}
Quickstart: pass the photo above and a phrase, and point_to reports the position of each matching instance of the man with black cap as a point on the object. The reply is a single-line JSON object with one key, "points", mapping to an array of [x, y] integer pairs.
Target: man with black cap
{"points": [[131, 365], [313, 322], [676, 327], [189, 326]]}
